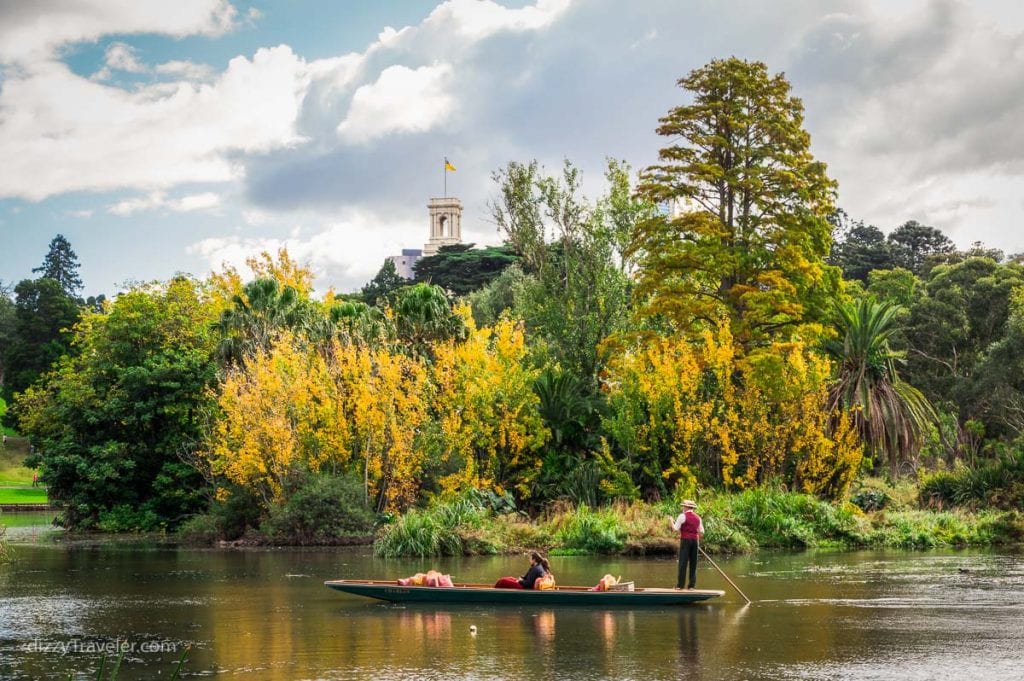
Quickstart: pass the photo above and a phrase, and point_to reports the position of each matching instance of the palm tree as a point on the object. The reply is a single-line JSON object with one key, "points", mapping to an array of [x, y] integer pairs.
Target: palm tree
{"points": [[423, 315], [258, 312], [891, 415], [359, 321]]}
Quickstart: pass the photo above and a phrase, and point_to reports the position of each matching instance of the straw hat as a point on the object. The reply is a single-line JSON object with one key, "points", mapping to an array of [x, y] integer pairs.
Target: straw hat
{"points": [[688, 503]]}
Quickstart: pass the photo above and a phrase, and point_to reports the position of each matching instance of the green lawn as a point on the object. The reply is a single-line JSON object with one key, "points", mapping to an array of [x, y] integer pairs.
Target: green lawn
{"points": [[12, 471], [22, 495]]}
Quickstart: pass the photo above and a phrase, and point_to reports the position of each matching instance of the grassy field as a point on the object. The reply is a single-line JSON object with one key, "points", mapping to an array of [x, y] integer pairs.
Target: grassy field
{"points": [[13, 472], [22, 495], [15, 477]]}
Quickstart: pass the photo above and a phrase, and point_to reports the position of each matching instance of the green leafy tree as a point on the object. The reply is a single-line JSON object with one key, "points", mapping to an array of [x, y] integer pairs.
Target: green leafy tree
{"points": [[113, 424], [462, 269], [381, 289], [980, 250], [863, 249], [918, 247], [891, 415], [576, 289], [897, 286], [572, 414], [744, 229], [43, 313], [963, 312], [61, 265], [499, 296], [999, 385]]}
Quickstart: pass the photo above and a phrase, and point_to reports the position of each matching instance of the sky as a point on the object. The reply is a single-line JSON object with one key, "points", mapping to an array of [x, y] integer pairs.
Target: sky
{"points": [[175, 137]]}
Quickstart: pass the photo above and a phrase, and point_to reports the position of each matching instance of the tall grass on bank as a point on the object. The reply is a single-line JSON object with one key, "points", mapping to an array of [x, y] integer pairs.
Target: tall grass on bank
{"points": [[771, 518], [734, 522], [474, 524]]}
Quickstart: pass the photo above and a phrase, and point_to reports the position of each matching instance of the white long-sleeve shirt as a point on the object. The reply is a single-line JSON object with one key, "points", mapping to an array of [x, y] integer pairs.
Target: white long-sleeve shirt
{"points": [[678, 522]]}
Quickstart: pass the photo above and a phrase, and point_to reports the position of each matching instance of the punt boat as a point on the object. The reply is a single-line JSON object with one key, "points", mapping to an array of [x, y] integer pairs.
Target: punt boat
{"points": [[483, 593]]}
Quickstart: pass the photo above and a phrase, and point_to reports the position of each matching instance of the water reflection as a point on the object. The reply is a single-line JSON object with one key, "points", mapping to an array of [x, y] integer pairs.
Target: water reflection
{"points": [[266, 615]]}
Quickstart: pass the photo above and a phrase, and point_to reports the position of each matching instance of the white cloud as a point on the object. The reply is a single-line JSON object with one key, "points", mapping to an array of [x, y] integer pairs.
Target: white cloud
{"points": [[61, 132], [917, 113], [345, 253], [478, 19], [122, 57], [159, 200], [30, 31], [401, 100], [187, 70]]}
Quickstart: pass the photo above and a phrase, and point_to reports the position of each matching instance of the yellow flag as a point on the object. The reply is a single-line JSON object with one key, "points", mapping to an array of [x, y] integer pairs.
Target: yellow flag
{"points": [[448, 165]]}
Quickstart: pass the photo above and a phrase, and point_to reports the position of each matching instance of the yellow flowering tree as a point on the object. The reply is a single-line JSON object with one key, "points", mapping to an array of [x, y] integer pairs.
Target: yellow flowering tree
{"points": [[278, 414], [486, 408], [289, 409], [686, 411], [384, 398]]}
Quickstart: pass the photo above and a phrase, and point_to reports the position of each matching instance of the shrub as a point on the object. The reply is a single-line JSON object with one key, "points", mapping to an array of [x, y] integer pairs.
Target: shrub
{"points": [[125, 518], [870, 499], [202, 530], [324, 510], [938, 489], [998, 483]]}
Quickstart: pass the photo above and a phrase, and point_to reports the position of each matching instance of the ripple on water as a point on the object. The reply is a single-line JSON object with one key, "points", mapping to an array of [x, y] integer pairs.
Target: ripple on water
{"points": [[27, 617]]}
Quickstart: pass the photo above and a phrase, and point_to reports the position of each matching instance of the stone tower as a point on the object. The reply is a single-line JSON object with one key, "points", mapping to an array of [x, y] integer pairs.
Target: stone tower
{"points": [[445, 224]]}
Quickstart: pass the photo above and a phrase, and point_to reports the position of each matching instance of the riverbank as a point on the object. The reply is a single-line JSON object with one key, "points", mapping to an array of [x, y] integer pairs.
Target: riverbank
{"points": [[735, 523]]}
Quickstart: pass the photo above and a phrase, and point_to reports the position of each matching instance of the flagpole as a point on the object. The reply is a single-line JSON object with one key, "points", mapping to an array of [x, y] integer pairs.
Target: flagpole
{"points": [[444, 169]]}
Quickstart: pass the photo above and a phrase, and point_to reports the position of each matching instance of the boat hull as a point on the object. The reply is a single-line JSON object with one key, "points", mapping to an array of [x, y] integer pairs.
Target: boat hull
{"points": [[480, 593]]}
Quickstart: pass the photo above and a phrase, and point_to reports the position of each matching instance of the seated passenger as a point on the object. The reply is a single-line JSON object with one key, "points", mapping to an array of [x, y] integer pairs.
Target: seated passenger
{"points": [[539, 567]]}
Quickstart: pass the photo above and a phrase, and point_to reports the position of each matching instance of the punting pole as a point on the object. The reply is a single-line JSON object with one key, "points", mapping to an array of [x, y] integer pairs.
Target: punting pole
{"points": [[724, 575]]}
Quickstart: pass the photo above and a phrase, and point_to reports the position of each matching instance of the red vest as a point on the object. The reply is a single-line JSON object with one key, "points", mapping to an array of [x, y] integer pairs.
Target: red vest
{"points": [[690, 529]]}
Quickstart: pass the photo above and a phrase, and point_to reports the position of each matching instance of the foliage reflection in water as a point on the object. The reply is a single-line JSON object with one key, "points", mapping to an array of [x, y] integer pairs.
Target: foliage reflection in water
{"points": [[265, 614]]}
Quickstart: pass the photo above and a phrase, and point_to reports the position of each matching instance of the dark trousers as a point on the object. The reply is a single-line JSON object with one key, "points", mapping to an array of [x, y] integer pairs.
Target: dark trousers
{"points": [[687, 560]]}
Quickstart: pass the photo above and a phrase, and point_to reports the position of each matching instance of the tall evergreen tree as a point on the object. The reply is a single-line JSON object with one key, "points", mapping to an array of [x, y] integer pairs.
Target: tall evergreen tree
{"points": [[862, 250], [744, 232], [384, 285], [43, 315], [61, 265], [8, 321], [918, 247], [462, 269]]}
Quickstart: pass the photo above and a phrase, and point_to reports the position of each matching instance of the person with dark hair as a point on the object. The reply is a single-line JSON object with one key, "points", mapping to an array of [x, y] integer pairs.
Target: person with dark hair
{"points": [[690, 528], [539, 567]]}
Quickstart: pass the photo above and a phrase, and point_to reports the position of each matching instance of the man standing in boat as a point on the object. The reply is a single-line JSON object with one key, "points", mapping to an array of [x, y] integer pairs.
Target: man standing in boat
{"points": [[690, 528]]}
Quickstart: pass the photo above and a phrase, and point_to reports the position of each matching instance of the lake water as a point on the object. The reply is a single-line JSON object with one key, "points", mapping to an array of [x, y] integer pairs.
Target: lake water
{"points": [[265, 614]]}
